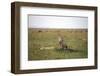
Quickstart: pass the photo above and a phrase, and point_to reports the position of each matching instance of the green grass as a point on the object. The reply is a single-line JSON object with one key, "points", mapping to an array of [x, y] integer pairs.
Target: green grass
{"points": [[76, 41]]}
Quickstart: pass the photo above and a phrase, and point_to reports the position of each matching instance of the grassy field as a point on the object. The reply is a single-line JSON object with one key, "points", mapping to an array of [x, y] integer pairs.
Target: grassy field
{"points": [[76, 40]]}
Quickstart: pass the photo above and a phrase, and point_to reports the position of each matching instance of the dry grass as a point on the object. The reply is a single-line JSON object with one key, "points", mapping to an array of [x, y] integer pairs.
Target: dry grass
{"points": [[76, 41]]}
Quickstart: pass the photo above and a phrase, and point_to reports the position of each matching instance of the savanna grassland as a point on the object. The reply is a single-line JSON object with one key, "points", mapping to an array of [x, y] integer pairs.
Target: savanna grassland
{"points": [[39, 39]]}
